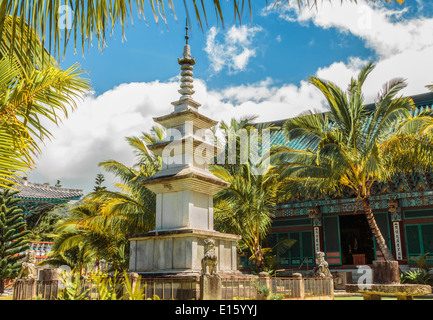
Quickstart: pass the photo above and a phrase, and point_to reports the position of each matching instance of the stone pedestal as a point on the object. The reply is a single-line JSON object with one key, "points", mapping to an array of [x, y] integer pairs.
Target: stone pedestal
{"points": [[180, 251], [49, 274], [184, 189], [211, 287]]}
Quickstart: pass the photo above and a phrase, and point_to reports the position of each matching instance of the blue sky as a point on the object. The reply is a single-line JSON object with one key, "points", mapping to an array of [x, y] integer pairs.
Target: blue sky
{"points": [[255, 68], [285, 51]]}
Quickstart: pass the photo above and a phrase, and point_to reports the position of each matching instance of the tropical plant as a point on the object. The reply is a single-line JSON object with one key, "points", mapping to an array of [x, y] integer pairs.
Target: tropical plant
{"points": [[271, 254], [108, 286], [133, 291], [42, 225], [73, 287], [417, 276], [132, 209], [97, 228], [263, 291], [238, 142], [351, 148], [421, 261], [247, 206], [12, 237], [26, 97], [34, 90], [60, 23], [83, 239]]}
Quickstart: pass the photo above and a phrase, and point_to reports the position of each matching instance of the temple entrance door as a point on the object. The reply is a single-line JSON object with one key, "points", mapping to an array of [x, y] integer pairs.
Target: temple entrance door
{"points": [[357, 246]]}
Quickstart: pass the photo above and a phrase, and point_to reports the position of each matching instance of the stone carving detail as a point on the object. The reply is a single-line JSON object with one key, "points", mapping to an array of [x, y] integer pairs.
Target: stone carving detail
{"points": [[28, 269], [209, 261], [321, 270]]}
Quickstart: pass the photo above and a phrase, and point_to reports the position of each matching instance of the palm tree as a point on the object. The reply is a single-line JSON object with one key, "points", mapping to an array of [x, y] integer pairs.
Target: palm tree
{"points": [[57, 22], [98, 228], [32, 30], [73, 240], [351, 147], [28, 95], [134, 205], [247, 206], [236, 141]]}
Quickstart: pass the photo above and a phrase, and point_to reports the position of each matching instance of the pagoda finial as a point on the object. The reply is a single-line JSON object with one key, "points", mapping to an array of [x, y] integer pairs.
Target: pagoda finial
{"points": [[186, 28], [186, 63]]}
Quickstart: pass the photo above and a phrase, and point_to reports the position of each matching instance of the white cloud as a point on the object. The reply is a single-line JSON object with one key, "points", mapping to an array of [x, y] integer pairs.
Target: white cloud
{"points": [[232, 49], [403, 45], [384, 30], [96, 131]]}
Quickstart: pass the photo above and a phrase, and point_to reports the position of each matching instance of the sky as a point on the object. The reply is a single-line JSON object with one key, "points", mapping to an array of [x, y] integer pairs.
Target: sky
{"points": [[257, 67]]}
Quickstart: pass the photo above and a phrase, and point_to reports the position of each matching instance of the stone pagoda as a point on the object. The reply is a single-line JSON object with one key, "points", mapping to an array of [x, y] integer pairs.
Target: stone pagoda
{"points": [[184, 189]]}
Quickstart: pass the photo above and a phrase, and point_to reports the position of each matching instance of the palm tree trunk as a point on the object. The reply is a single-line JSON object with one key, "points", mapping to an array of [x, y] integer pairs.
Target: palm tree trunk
{"points": [[259, 259], [375, 230]]}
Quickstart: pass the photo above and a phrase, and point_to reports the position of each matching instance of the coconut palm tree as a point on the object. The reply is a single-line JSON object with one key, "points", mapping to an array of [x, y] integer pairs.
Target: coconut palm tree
{"points": [[87, 237], [134, 205], [246, 207], [27, 96], [237, 141], [78, 22], [32, 30], [351, 147], [98, 228]]}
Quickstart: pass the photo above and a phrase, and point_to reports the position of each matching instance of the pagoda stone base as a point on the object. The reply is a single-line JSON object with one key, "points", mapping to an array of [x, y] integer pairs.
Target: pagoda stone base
{"points": [[179, 252]]}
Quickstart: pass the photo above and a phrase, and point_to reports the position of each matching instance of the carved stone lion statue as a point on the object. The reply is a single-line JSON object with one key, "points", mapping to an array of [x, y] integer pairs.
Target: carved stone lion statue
{"points": [[321, 270], [28, 269], [210, 258]]}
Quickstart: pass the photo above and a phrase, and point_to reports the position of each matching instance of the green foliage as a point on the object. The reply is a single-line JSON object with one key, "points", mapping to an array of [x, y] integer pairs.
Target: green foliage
{"points": [[276, 297], [73, 287], [352, 149], [247, 206], [420, 275], [421, 261], [42, 225], [98, 182], [12, 236], [417, 276], [109, 287], [26, 97], [262, 290], [134, 292]]}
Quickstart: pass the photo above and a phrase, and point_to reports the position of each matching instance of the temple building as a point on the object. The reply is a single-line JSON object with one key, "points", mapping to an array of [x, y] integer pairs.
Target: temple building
{"points": [[403, 209], [38, 197]]}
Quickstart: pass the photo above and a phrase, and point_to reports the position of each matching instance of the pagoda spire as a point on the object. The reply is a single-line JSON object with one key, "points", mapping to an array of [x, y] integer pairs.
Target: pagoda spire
{"points": [[186, 82]]}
